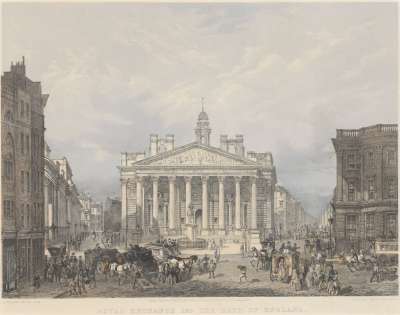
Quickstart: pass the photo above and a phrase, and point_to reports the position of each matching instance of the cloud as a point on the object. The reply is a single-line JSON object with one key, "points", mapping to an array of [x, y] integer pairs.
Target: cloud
{"points": [[284, 75]]}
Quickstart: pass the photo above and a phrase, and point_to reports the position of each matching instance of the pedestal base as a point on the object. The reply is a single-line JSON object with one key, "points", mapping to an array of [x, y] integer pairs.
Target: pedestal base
{"points": [[190, 231], [239, 233], [205, 232], [254, 239]]}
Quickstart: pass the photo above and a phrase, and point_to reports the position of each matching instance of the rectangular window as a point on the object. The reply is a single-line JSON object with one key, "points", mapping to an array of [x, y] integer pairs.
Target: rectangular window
{"points": [[28, 185], [281, 203], [8, 169], [371, 159], [351, 161], [27, 144], [22, 109], [22, 143], [7, 206], [27, 110], [371, 188], [369, 225], [391, 188], [22, 215], [28, 215], [22, 181], [391, 160], [351, 227], [351, 192], [390, 226]]}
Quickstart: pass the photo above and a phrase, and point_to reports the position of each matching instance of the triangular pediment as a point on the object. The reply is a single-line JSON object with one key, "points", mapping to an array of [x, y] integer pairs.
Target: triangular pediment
{"points": [[196, 155]]}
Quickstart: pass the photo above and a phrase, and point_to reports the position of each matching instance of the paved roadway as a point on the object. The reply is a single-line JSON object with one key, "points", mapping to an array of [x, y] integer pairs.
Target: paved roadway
{"points": [[226, 283]]}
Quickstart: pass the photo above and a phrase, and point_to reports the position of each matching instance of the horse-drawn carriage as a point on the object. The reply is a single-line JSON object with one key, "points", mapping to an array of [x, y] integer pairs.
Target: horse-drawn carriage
{"points": [[103, 255], [57, 251], [141, 255], [173, 269]]}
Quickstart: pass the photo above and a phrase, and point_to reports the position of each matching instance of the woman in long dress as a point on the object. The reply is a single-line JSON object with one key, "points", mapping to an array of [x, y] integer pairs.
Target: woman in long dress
{"points": [[281, 269]]}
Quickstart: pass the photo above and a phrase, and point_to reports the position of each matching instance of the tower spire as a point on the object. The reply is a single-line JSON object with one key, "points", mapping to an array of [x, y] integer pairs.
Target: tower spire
{"points": [[203, 129]]}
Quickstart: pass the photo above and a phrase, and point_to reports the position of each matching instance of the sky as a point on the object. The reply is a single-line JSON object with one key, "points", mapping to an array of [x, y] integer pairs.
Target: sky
{"points": [[286, 76]]}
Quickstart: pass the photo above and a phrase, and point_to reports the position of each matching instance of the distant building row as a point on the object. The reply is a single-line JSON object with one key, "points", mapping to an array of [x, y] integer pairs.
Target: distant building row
{"points": [[290, 216]]}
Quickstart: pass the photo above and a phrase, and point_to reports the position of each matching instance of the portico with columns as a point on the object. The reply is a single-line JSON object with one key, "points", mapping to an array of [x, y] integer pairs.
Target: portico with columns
{"points": [[217, 192]]}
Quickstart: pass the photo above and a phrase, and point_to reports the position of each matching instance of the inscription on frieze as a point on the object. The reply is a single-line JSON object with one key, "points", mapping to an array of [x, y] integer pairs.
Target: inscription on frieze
{"points": [[198, 157]]}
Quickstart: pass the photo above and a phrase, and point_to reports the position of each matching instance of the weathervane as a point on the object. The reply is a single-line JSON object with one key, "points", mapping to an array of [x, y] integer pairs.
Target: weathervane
{"points": [[202, 104]]}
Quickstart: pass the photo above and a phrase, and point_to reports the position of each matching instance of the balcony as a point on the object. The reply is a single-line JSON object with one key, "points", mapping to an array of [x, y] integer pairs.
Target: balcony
{"points": [[375, 129]]}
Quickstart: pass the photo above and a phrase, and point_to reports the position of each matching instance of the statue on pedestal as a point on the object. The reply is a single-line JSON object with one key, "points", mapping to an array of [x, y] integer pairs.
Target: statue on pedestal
{"points": [[190, 213]]}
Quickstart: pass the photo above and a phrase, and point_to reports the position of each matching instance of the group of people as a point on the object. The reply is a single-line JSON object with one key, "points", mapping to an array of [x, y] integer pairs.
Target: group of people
{"points": [[171, 243], [71, 272], [127, 272], [212, 244], [75, 244], [288, 265], [208, 264]]}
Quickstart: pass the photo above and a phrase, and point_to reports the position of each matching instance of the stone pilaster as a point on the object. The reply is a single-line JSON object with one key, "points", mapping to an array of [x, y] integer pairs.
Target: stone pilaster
{"points": [[237, 202], [188, 197], [139, 198], [253, 203], [154, 215], [171, 202], [221, 202], [204, 181]]}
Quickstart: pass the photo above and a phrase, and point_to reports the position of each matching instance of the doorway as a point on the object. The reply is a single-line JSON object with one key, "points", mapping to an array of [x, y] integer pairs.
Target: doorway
{"points": [[197, 221]]}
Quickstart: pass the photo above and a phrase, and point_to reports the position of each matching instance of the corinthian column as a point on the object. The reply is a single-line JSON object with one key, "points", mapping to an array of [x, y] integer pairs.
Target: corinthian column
{"points": [[154, 216], [253, 203], [221, 217], [139, 198], [204, 203], [171, 202], [188, 198], [124, 206], [237, 202]]}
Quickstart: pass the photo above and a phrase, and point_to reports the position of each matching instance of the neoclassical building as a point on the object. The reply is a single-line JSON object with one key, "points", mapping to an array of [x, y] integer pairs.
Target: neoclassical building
{"points": [[198, 190], [367, 184]]}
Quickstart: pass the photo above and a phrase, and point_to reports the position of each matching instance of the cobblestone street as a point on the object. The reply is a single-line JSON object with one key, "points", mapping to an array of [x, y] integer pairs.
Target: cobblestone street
{"points": [[226, 283]]}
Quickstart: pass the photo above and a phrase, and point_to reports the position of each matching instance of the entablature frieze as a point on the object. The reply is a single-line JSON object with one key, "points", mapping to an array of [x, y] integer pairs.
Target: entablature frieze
{"points": [[192, 173]]}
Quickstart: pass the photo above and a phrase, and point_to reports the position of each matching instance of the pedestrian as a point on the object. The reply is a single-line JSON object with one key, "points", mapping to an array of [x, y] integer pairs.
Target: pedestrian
{"points": [[46, 270], [57, 271], [216, 254], [295, 281], [92, 277], [211, 269], [243, 272], [120, 272], [36, 282], [242, 249], [375, 272]]}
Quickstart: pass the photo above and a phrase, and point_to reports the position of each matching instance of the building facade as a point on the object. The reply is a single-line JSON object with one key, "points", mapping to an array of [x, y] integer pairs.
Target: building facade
{"points": [[92, 215], [62, 207], [112, 214], [365, 200], [290, 216], [22, 143], [198, 190]]}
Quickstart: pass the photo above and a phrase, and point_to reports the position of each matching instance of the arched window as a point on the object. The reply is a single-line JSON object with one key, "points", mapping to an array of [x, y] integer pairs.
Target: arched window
{"points": [[27, 110], [9, 116], [22, 109], [8, 158]]}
